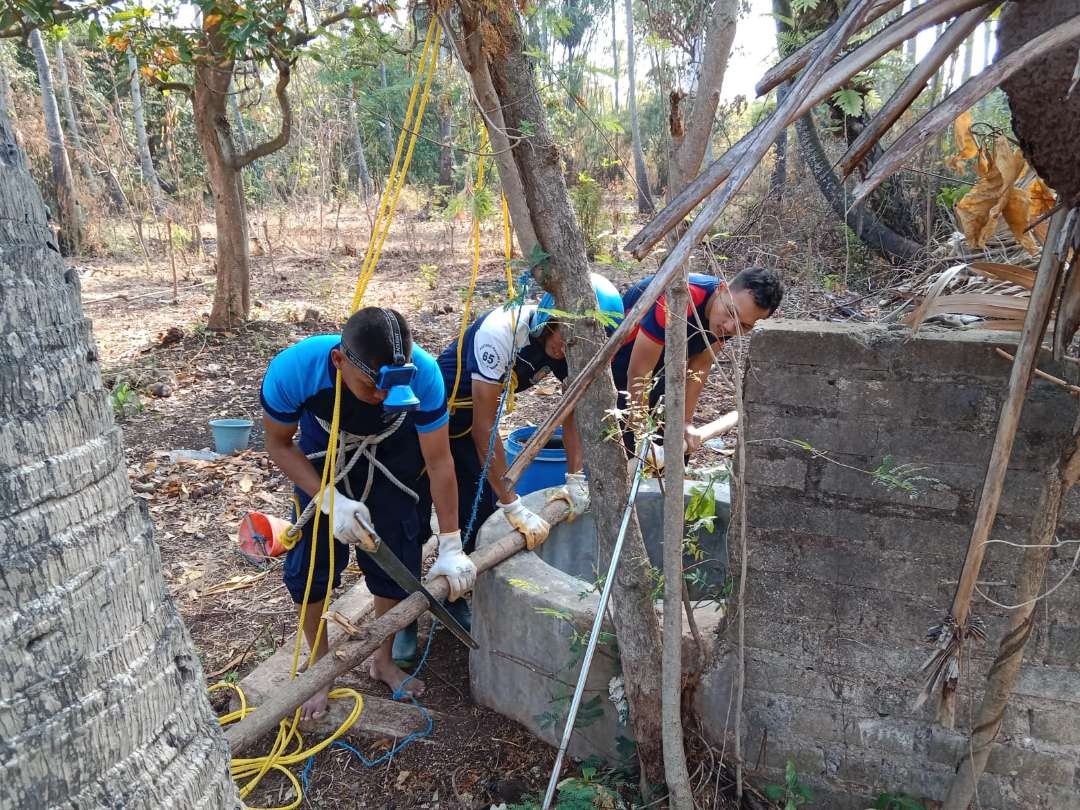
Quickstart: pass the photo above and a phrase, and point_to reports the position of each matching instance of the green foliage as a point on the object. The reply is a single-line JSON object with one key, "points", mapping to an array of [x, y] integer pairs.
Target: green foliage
{"points": [[949, 196], [587, 197], [887, 801], [429, 274], [125, 400], [849, 101], [790, 794], [906, 478], [801, 6]]}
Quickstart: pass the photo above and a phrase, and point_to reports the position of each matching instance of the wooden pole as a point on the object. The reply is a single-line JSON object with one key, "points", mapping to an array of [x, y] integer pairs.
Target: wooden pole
{"points": [[1038, 315], [758, 143], [353, 652], [678, 779]]}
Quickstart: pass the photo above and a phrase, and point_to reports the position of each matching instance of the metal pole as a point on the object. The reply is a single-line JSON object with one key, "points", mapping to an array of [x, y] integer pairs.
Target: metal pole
{"points": [[635, 482]]}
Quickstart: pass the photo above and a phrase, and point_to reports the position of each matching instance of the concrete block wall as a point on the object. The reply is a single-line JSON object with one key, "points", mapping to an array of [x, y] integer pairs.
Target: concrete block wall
{"points": [[845, 576]]}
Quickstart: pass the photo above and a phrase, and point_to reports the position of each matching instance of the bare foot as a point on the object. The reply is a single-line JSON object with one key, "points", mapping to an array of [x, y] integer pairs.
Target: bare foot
{"points": [[314, 707], [393, 676]]}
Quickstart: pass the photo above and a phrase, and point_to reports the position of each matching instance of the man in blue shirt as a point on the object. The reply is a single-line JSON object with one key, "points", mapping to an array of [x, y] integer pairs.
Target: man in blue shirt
{"points": [[717, 311], [400, 459]]}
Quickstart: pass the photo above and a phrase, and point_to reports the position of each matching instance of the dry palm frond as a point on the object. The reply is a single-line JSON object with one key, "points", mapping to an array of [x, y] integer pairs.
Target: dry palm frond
{"points": [[942, 668]]}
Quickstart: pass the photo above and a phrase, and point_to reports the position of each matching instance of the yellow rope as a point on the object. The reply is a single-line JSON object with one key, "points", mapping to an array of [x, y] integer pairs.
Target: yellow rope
{"points": [[508, 247], [253, 769], [474, 244], [414, 114]]}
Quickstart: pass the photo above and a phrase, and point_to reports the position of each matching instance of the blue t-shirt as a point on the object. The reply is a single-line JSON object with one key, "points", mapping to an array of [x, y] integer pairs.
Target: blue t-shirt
{"points": [[299, 388]]}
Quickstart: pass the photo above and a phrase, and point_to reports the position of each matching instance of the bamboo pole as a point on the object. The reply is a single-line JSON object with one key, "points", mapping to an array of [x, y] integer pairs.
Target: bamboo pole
{"points": [[354, 651], [1035, 322]]}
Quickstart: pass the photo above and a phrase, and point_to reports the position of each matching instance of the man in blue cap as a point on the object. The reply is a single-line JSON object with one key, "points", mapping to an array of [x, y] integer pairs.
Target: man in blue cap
{"points": [[523, 343], [394, 443]]}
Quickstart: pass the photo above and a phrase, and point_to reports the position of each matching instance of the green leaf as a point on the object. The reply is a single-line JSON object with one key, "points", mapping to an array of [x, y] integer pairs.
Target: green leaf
{"points": [[775, 793], [791, 776], [849, 101]]}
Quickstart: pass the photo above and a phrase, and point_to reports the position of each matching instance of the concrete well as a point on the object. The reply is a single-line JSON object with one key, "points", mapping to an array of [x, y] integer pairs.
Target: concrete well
{"points": [[532, 615]]}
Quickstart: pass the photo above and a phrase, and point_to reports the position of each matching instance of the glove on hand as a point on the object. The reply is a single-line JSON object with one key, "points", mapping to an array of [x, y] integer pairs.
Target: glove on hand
{"points": [[454, 564], [352, 521], [533, 527]]}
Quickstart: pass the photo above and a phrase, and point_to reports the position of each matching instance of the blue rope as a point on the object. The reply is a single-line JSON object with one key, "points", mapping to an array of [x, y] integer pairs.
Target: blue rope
{"points": [[405, 741], [519, 301]]}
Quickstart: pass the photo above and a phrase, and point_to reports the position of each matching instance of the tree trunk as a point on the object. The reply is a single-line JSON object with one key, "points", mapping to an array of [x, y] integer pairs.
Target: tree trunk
{"points": [[615, 51], [1001, 680], [909, 46], [363, 176], [146, 162], [678, 778], [66, 200], [566, 274], [470, 50], [876, 235], [388, 126], [232, 294], [778, 179], [104, 697], [238, 117], [688, 146], [86, 90], [969, 52], [92, 181], [641, 174], [446, 151]]}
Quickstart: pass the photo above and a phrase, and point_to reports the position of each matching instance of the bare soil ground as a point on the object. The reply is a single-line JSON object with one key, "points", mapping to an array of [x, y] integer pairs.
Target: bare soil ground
{"points": [[302, 282]]}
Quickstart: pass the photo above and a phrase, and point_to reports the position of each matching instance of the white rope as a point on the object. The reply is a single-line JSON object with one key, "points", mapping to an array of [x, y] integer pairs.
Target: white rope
{"points": [[361, 446]]}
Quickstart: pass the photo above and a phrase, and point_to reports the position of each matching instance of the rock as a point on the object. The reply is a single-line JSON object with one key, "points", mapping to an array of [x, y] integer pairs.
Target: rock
{"points": [[182, 454], [160, 390]]}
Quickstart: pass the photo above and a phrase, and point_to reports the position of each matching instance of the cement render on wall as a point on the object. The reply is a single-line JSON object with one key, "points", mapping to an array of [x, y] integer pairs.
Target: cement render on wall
{"points": [[845, 575]]}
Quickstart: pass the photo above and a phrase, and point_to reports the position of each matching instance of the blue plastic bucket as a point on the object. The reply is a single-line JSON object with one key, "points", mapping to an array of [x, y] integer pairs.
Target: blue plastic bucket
{"points": [[548, 469], [231, 435]]}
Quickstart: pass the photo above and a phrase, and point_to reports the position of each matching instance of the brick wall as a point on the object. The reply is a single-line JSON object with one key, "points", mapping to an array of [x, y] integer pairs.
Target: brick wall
{"points": [[845, 576]]}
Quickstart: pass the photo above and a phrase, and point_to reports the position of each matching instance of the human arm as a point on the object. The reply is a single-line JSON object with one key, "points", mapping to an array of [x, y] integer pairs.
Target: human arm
{"points": [[698, 367], [575, 457], [644, 356], [435, 448], [485, 397]]}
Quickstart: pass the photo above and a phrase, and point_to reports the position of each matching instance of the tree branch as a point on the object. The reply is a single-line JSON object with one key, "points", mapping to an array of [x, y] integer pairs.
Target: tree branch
{"points": [[179, 87], [282, 138], [64, 12], [353, 12]]}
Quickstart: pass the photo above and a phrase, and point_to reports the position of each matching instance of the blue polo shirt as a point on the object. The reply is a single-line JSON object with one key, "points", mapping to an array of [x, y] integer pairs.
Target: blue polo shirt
{"points": [[299, 388]]}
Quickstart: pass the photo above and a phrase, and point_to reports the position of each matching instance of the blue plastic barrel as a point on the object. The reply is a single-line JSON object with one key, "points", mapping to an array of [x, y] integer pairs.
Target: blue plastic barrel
{"points": [[548, 469], [231, 435]]}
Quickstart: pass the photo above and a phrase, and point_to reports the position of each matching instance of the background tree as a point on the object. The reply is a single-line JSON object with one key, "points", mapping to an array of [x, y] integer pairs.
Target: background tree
{"points": [[67, 200], [105, 699], [641, 174]]}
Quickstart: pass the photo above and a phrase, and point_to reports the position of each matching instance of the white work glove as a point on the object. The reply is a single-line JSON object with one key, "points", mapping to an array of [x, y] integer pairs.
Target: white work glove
{"points": [[533, 527], [352, 521], [576, 494], [692, 439], [454, 564]]}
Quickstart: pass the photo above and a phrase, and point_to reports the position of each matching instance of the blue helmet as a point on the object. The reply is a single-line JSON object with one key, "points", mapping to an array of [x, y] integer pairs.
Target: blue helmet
{"points": [[608, 301]]}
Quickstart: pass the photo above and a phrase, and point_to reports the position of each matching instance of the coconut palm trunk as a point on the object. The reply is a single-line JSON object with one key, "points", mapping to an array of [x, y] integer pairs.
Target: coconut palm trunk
{"points": [[102, 698]]}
